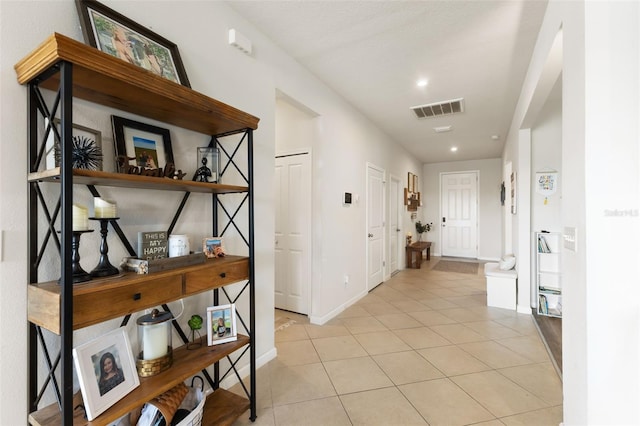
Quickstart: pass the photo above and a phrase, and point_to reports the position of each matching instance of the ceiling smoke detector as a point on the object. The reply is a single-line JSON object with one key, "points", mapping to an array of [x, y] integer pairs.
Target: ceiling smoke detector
{"points": [[438, 109], [442, 129]]}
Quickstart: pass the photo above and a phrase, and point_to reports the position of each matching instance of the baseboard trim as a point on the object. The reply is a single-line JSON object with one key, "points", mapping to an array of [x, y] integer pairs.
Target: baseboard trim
{"points": [[321, 320]]}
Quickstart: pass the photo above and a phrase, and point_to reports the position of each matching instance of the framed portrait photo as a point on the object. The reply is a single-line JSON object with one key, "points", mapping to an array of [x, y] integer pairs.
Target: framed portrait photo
{"points": [[212, 247], [106, 371], [221, 324], [119, 36], [144, 145]]}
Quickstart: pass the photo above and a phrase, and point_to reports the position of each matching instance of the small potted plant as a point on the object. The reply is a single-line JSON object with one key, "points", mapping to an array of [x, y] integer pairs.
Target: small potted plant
{"points": [[195, 324], [420, 228]]}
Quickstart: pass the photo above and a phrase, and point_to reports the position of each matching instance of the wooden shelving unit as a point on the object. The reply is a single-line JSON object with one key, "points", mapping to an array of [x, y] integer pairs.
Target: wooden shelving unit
{"points": [[75, 70]]}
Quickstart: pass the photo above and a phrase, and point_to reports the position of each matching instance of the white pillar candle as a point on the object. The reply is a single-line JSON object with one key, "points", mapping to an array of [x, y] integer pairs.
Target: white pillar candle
{"points": [[80, 218], [104, 208], [154, 341]]}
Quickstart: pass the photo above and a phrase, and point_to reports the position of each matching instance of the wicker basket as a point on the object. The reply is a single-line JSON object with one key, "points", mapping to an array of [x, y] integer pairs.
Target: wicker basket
{"points": [[168, 402], [195, 417], [180, 397]]}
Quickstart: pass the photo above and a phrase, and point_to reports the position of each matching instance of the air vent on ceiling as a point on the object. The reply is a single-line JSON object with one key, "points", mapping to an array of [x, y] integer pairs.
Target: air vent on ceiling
{"points": [[439, 108]]}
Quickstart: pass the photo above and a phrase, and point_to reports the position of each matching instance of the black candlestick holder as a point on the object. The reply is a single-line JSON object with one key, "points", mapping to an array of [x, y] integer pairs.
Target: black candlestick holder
{"points": [[104, 268], [78, 275]]}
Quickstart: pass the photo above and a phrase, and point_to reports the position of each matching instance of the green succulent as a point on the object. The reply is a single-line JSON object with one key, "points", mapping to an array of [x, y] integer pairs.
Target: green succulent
{"points": [[195, 322]]}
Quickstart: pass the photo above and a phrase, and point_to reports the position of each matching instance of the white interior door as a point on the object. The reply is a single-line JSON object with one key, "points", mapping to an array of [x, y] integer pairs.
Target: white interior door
{"points": [[293, 231], [375, 226], [394, 223], [459, 221]]}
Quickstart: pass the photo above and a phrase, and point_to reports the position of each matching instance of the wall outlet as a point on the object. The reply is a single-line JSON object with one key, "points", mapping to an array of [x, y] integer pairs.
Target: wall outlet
{"points": [[346, 280]]}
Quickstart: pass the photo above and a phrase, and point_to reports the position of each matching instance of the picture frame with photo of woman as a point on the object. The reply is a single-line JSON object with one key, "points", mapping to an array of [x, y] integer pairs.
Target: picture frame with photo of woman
{"points": [[106, 371], [221, 324]]}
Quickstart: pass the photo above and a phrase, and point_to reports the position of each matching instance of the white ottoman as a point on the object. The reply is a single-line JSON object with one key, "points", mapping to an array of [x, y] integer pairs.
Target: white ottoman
{"points": [[501, 286]]}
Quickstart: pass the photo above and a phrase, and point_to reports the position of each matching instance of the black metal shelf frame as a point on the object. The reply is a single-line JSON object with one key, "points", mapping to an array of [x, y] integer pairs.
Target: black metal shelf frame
{"points": [[62, 361]]}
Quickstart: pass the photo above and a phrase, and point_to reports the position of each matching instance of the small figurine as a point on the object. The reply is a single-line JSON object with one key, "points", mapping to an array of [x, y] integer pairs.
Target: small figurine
{"points": [[203, 173]]}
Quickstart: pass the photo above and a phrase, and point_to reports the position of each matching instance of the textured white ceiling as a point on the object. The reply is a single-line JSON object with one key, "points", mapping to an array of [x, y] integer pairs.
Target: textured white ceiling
{"points": [[373, 52]]}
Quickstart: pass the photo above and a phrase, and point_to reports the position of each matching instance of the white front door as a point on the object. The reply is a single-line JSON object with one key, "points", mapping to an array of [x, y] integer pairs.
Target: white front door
{"points": [[395, 236], [375, 226], [459, 221], [293, 231]]}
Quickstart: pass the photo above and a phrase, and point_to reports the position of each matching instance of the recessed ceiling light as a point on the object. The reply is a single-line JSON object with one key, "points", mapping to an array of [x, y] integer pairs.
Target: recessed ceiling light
{"points": [[422, 82], [454, 148]]}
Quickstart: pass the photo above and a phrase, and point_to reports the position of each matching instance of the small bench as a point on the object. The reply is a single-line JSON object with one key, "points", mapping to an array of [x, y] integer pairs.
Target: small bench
{"points": [[501, 286], [417, 247]]}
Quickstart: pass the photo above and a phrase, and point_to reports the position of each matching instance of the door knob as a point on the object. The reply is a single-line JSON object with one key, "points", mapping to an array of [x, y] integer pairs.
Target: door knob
{"points": [[370, 235]]}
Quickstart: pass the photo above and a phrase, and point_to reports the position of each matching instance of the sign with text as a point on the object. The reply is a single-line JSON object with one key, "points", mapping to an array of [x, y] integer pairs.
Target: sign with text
{"points": [[152, 245]]}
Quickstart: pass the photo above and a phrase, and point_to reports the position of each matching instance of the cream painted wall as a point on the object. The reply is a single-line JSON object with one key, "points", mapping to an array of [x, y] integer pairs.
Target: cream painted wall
{"points": [[489, 208], [601, 191]]}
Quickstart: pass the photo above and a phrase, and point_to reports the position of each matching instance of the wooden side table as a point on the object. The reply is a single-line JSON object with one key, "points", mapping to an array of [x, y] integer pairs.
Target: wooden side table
{"points": [[416, 249]]}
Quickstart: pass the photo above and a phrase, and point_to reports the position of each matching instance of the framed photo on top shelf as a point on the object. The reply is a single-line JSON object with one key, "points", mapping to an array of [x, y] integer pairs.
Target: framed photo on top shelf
{"points": [[106, 371], [221, 324], [119, 36], [144, 145]]}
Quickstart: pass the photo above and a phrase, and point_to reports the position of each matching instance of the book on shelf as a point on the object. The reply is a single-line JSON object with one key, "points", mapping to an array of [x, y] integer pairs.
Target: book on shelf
{"points": [[543, 306], [552, 290], [543, 247]]}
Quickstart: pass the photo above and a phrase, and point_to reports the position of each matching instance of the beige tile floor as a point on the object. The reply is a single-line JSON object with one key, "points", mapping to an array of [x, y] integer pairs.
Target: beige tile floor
{"points": [[420, 349]]}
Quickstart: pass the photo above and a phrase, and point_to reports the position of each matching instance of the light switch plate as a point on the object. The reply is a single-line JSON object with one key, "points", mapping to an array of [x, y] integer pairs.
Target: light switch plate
{"points": [[570, 238]]}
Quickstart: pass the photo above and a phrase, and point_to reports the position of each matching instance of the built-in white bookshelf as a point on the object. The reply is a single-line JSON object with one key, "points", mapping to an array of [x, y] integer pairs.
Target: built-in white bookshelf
{"points": [[549, 273]]}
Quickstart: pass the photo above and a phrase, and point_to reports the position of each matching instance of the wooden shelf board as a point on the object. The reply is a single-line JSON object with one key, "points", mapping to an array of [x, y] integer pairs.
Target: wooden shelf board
{"points": [[122, 180], [104, 79], [185, 364], [44, 298], [223, 408]]}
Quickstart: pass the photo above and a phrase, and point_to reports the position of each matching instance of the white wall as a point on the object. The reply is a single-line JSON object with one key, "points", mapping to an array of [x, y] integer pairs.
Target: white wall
{"points": [[489, 208], [546, 155], [601, 191]]}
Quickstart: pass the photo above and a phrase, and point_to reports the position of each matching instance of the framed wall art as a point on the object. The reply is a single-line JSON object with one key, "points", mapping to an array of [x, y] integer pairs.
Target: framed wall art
{"points": [[119, 36], [106, 371], [149, 146], [221, 324]]}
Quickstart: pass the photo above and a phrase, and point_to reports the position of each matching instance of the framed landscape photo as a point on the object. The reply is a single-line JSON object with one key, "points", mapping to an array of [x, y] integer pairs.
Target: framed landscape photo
{"points": [[221, 324], [106, 371], [144, 145], [119, 36]]}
